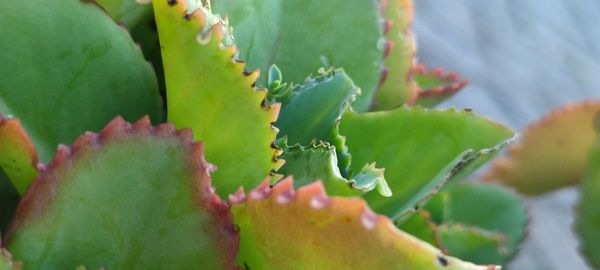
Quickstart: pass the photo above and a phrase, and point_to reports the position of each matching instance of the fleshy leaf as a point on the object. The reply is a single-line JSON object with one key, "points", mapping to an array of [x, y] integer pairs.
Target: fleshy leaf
{"points": [[414, 145], [67, 68], [174, 219], [489, 208], [473, 244], [208, 90], [551, 153], [301, 36], [304, 229], [588, 213], [319, 162], [19, 157], [324, 98], [436, 85], [397, 87]]}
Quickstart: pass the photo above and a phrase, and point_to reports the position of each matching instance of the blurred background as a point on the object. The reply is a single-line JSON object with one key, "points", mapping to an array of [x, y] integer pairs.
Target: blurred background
{"points": [[522, 59]]}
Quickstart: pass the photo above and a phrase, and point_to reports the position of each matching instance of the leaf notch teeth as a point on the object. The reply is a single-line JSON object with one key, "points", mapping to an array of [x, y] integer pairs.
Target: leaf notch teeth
{"points": [[217, 34], [454, 83], [350, 215], [118, 129], [313, 196]]}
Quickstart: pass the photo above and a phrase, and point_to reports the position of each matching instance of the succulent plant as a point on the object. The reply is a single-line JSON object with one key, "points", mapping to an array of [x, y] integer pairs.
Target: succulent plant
{"points": [[318, 110]]}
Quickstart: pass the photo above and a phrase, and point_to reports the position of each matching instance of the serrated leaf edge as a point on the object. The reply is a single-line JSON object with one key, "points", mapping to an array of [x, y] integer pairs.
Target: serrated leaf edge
{"points": [[118, 129], [218, 33], [314, 194]]}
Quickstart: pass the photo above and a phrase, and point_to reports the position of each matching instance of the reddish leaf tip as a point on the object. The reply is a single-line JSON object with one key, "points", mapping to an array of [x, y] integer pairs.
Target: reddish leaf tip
{"points": [[238, 197], [262, 191]]}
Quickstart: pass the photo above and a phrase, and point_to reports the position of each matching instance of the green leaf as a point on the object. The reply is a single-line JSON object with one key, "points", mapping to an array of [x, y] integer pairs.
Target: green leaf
{"points": [[67, 68], [552, 152], [485, 207], [209, 91], [131, 197], [313, 110], [414, 145], [319, 162], [304, 229], [398, 87], [300, 36], [588, 213], [473, 244]]}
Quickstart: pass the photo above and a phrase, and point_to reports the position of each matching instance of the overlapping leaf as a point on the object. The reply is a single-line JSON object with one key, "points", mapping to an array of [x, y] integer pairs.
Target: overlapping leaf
{"points": [[283, 228], [319, 162], [480, 223], [67, 68], [130, 197], [301, 36], [311, 111], [552, 152], [414, 145], [488, 214], [209, 91]]}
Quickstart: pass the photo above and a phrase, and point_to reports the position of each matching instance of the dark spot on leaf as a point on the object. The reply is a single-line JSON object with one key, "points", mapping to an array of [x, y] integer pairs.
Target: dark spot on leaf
{"points": [[153, 26], [172, 2], [443, 261], [246, 266]]}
